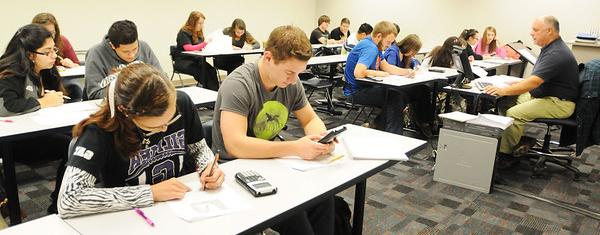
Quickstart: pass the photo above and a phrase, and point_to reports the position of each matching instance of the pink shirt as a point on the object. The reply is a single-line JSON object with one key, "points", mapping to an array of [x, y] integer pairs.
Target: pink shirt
{"points": [[483, 50], [197, 47]]}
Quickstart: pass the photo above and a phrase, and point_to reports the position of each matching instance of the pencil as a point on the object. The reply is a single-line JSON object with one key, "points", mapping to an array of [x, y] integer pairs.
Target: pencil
{"points": [[212, 168], [335, 158], [64, 96]]}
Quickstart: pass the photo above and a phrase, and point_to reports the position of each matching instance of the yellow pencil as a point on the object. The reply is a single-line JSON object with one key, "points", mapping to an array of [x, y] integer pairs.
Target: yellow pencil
{"points": [[335, 158]]}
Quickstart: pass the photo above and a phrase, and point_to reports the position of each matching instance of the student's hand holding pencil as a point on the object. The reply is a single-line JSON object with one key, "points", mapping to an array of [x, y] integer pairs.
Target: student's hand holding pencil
{"points": [[51, 99], [212, 177]]}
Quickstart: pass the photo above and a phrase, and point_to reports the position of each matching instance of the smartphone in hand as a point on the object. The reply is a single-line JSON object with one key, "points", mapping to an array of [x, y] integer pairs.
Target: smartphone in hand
{"points": [[331, 135]]}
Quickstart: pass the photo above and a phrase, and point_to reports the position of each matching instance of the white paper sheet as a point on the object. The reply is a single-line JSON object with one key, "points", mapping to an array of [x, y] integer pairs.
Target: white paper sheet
{"points": [[373, 148], [219, 42], [198, 204]]}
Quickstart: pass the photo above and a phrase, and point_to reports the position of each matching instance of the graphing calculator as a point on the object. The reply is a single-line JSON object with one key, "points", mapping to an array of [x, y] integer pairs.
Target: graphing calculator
{"points": [[255, 183]]}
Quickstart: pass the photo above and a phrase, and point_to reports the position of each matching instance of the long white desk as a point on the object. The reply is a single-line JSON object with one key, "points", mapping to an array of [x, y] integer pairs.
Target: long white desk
{"points": [[328, 59], [223, 53], [56, 120], [76, 72], [317, 46], [296, 191], [48, 225]]}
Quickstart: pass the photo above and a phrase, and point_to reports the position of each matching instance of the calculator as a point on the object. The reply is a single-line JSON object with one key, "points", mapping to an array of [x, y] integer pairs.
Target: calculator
{"points": [[255, 183]]}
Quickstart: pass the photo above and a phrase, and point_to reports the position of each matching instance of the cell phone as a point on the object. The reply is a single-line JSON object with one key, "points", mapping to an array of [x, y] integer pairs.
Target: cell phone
{"points": [[257, 185], [331, 135]]}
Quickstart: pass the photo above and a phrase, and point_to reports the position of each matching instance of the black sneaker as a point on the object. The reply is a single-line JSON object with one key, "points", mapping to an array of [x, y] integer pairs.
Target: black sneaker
{"points": [[425, 129], [506, 161]]}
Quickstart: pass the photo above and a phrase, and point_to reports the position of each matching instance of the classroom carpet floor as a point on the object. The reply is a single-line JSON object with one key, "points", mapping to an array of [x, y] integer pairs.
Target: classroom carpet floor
{"points": [[404, 199]]}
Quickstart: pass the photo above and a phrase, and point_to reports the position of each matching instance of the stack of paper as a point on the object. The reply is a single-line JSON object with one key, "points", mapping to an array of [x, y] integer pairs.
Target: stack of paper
{"points": [[372, 148], [198, 205], [492, 120]]}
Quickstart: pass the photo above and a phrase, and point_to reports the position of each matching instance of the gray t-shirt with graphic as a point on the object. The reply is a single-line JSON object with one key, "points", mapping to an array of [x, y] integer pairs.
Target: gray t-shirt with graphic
{"points": [[267, 111]]}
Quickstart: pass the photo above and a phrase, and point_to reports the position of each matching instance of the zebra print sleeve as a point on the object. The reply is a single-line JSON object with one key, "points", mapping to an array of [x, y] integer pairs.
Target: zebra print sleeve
{"points": [[202, 153], [78, 196]]}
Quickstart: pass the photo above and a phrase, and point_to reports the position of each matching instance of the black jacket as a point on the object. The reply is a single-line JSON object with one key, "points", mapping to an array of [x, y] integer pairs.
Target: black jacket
{"points": [[19, 94]]}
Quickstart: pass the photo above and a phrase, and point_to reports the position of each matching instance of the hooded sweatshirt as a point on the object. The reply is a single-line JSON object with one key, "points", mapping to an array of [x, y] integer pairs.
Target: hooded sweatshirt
{"points": [[101, 61]]}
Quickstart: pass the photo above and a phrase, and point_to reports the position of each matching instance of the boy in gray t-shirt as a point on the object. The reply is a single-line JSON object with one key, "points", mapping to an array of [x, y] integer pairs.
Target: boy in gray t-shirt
{"points": [[253, 105]]}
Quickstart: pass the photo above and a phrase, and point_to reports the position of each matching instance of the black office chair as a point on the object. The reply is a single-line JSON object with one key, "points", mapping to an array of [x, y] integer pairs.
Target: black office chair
{"points": [[173, 52], [312, 83], [548, 151], [354, 106], [579, 122]]}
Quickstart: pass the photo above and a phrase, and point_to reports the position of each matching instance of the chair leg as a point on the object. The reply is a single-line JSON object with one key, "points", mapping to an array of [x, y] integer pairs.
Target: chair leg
{"points": [[358, 115], [348, 113], [180, 79], [311, 93]]}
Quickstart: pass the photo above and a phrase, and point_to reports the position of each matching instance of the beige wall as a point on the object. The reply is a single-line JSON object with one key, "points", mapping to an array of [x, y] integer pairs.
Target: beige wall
{"points": [[435, 20], [86, 22]]}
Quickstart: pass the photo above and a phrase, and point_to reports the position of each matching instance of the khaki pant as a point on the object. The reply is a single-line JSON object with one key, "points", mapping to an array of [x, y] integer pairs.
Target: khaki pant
{"points": [[527, 109]]}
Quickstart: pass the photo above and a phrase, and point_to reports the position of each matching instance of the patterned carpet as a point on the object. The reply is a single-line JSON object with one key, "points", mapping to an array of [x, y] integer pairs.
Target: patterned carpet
{"points": [[404, 199]]}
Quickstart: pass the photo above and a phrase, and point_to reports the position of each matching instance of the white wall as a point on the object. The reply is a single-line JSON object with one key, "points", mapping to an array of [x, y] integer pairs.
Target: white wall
{"points": [[159, 21], [435, 20], [86, 22]]}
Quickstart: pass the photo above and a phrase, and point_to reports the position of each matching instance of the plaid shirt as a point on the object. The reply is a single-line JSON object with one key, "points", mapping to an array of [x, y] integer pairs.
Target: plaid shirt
{"points": [[589, 79]]}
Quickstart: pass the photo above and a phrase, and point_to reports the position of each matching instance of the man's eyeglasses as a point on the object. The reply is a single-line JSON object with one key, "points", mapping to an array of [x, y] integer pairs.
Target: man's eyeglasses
{"points": [[54, 50]]}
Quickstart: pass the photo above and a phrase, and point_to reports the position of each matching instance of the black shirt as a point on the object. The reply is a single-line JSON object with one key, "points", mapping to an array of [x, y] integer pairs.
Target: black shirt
{"points": [[470, 52], [336, 34], [557, 66], [316, 34], [169, 154]]}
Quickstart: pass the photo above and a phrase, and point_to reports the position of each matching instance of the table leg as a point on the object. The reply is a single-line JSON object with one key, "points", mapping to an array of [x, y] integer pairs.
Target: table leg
{"points": [[359, 207], [11, 184]]}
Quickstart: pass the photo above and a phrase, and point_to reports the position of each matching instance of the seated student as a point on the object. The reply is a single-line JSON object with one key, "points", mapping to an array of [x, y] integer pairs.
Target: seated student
{"points": [[119, 48], [240, 39], [471, 36], [488, 46], [441, 56], [366, 60], [191, 38], [144, 135], [363, 31], [550, 91], [29, 81], [254, 104], [66, 54], [320, 35], [341, 34], [402, 55]]}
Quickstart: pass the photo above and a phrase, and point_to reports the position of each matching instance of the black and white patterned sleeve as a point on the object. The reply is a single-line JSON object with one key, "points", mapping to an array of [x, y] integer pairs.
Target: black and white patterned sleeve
{"points": [[201, 153], [79, 196]]}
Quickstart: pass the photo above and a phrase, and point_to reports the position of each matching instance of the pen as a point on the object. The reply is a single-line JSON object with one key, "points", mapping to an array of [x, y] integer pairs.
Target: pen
{"points": [[141, 213], [212, 168], [64, 96], [7, 121]]}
